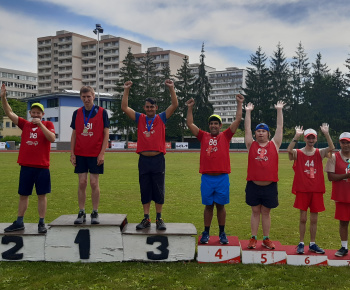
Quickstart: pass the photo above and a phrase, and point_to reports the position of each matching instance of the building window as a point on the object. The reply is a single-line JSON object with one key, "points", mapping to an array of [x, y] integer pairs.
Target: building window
{"points": [[7, 124], [52, 103]]}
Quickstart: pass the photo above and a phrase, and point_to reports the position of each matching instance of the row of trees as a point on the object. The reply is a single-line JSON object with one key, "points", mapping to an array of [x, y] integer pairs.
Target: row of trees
{"points": [[148, 83], [313, 94]]}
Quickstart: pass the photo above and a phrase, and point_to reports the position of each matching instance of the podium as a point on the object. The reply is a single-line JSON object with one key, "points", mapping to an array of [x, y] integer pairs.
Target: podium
{"points": [[67, 242], [262, 255], [25, 245], [176, 243], [337, 261], [306, 259], [214, 252]]}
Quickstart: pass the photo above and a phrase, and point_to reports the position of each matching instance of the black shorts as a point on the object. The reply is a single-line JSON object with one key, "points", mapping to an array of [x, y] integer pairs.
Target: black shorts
{"points": [[30, 176], [88, 164], [152, 178], [264, 195]]}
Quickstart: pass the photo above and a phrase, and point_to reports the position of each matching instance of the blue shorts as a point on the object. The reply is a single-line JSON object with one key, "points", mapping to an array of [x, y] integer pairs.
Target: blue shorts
{"points": [[30, 176], [215, 188], [88, 164], [261, 195], [152, 178]]}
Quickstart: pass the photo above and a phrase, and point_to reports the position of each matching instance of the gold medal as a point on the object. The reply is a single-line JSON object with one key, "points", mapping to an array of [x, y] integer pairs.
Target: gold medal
{"points": [[86, 130], [148, 134]]}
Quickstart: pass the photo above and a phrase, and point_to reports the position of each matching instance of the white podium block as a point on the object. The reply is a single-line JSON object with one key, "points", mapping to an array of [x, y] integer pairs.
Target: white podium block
{"points": [[68, 242], [176, 243], [337, 261], [214, 252], [262, 255], [26, 245], [306, 259]]}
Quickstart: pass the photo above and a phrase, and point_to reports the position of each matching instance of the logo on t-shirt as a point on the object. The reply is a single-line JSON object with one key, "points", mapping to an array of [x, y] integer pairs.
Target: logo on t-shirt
{"points": [[262, 152]]}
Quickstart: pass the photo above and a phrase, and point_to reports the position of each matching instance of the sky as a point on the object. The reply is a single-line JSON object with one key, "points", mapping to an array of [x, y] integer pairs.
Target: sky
{"points": [[231, 30]]}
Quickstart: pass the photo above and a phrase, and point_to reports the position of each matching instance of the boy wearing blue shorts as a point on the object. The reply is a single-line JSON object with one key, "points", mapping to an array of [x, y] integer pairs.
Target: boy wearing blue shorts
{"points": [[215, 167]]}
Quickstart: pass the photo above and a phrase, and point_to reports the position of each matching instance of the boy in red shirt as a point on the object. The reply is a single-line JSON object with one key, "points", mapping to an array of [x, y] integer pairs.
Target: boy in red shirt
{"points": [[88, 145], [308, 184], [262, 173], [151, 148], [215, 167], [338, 170], [34, 158]]}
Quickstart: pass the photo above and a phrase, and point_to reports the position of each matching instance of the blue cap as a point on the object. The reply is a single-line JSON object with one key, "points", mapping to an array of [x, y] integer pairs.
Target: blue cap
{"points": [[262, 126]]}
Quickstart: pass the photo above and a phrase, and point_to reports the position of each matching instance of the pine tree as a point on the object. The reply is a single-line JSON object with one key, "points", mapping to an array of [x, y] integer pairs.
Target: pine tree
{"points": [[129, 72], [149, 79], [300, 84], [201, 90], [258, 90], [279, 80], [184, 91]]}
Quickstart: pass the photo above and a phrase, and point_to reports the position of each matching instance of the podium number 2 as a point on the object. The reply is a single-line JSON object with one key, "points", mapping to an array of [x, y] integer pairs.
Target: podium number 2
{"points": [[83, 240], [10, 254], [163, 248]]}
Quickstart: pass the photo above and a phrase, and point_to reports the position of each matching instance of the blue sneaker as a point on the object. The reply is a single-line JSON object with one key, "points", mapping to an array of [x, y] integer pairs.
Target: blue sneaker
{"points": [[316, 249], [14, 227], [300, 249], [205, 238], [223, 238]]}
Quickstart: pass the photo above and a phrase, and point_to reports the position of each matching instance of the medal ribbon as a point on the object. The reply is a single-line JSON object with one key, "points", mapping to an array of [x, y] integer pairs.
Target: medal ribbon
{"points": [[86, 120], [149, 126]]}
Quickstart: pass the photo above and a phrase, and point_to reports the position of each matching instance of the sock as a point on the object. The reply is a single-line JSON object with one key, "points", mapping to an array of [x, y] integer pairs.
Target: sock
{"points": [[41, 221], [255, 237], [159, 215], [265, 237], [221, 229], [146, 216], [82, 210], [95, 210], [312, 243], [344, 244], [207, 229], [19, 220], [301, 243]]}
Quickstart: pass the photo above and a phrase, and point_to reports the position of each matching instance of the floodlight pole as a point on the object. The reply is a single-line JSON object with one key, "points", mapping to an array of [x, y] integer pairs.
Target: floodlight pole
{"points": [[97, 31]]}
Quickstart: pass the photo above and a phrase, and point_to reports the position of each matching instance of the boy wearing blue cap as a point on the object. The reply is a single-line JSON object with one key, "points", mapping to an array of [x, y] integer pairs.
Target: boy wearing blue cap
{"points": [[262, 177]]}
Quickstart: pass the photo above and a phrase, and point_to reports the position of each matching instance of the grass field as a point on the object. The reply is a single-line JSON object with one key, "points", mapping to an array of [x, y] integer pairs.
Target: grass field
{"points": [[120, 194]]}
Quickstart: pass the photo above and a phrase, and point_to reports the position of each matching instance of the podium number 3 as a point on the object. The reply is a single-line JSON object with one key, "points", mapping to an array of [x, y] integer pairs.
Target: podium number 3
{"points": [[163, 248]]}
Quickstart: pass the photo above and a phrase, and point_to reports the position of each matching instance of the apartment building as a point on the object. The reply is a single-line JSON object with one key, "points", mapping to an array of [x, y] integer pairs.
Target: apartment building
{"points": [[163, 58], [225, 85], [67, 61], [194, 68], [19, 84]]}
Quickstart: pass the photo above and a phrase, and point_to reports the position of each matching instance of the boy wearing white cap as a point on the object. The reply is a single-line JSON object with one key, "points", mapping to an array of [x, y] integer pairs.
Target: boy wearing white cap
{"points": [[308, 184], [338, 170], [34, 158]]}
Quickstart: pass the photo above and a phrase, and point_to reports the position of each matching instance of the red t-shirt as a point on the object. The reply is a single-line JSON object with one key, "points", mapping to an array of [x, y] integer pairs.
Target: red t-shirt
{"points": [[263, 162], [341, 188], [152, 140], [308, 173], [89, 143], [35, 148], [215, 157]]}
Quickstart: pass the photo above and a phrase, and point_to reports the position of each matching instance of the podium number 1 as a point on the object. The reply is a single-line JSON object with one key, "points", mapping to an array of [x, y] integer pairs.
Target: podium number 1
{"points": [[83, 240]]}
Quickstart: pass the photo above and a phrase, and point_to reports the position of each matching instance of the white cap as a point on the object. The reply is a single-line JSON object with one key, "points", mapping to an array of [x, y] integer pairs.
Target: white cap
{"points": [[310, 132], [345, 136]]}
